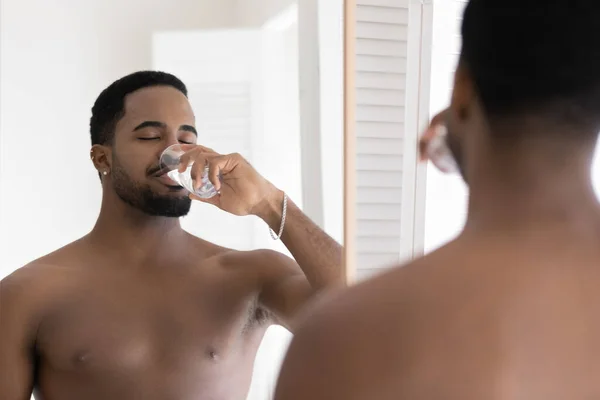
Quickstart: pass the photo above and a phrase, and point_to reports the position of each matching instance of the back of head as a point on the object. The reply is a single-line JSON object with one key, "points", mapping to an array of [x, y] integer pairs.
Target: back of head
{"points": [[109, 107], [535, 58]]}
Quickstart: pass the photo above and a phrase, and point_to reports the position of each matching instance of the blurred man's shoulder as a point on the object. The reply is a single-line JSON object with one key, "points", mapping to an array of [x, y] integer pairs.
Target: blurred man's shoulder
{"points": [[388, 299], [362, 325]]}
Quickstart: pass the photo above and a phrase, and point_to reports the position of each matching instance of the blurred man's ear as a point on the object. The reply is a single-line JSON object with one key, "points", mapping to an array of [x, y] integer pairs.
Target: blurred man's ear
{"points": [[463, 94]]}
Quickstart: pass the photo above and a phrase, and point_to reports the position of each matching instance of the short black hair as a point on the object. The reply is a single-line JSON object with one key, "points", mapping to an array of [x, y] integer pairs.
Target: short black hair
{"points": [[109, 107], [535, 57]]}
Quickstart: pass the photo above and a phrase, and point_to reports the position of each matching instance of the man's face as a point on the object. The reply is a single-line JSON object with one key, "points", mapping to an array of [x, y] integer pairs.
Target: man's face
{"points": [[154, 119]]}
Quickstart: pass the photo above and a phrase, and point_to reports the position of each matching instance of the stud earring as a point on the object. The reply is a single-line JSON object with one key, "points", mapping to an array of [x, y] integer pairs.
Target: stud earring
{"points": [[105, 173]]}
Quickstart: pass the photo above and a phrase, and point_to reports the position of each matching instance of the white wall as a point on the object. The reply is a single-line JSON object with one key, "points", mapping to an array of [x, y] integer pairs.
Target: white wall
{"points": [[56, 58], [257, 12]]}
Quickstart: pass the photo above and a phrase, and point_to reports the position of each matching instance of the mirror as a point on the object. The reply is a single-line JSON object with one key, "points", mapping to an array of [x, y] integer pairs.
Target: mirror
{"points": [[265, 79]]}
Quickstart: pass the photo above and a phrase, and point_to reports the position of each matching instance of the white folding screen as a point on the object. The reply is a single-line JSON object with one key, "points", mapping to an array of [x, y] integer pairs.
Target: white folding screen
{"points": [[388, 44]]}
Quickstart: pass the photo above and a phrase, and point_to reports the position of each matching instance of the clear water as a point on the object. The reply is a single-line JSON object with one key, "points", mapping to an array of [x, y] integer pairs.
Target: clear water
{"points": [[206, 191]]}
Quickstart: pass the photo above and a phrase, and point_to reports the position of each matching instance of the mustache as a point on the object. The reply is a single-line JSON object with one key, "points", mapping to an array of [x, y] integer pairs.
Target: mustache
{"points": [[157, 170]]}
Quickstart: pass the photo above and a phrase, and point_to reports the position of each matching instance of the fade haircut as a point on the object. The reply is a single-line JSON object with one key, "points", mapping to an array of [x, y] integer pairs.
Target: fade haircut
{"points": [[109, 107]]}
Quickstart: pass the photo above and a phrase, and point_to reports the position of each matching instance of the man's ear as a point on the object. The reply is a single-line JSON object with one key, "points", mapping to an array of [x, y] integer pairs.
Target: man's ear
{"points": [[101, 156], [463, 94]]}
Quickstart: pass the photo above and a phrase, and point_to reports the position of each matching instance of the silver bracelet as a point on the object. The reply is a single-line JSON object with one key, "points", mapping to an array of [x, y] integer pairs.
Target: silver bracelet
{"points": [[283, 214]]}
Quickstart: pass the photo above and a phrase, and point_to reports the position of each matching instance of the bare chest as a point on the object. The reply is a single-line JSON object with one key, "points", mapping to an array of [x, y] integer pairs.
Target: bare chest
{"points": [[162, 323]]}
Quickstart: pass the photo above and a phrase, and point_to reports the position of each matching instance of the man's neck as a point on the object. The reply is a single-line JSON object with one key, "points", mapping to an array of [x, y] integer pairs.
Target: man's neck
{"points": [[134, 234], [534, 189]]}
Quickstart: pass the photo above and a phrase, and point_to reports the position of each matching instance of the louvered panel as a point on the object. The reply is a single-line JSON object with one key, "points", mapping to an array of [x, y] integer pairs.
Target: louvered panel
{"points": [[371, 162], [377, 47], [381, 130], [368, 113], [381, 97], [381, 80], [378, 212], [379, 63], [377, 244], [382, 15], [381, 31], [379, 195], [381, 67], [379, 146], [378, 228], [384, 3], [378, 179]]}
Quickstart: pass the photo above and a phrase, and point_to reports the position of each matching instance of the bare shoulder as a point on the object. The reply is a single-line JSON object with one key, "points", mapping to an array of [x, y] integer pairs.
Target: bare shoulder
{"points": [[35, 282], [347, 346], [241, 259], [25, 291], [250, 269], [261, 264]]}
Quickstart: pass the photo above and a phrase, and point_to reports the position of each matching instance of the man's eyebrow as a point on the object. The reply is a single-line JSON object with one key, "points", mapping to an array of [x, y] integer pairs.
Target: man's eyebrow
{"points": [[188, 128], [154, 124]]}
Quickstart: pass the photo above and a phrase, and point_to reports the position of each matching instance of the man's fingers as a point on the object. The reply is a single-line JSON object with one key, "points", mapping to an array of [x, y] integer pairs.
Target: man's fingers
{"points": [[186, 159], [215, 200], [203, 157], [431, 131], [197, 172], [205, 149], [194, 152], [216, 167]]}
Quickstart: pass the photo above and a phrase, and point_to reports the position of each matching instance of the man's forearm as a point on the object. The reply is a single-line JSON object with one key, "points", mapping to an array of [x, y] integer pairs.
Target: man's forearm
{"points": [[319, 256]]}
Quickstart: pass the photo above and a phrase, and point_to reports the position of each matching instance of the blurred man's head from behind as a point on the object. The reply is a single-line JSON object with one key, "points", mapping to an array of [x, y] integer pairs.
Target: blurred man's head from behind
{"points": [[529, 72]]}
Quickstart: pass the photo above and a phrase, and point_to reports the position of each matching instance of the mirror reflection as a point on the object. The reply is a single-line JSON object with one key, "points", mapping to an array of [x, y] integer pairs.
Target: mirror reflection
{"points": [[138, 289]]}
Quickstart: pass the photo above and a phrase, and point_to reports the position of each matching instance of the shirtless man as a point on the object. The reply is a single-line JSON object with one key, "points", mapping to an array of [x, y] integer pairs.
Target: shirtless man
{"points": [[138, 308], [511, 308]]}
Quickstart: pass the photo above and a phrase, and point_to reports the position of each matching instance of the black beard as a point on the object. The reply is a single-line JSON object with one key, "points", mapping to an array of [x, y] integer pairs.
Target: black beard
{"points": [[144, 199]]}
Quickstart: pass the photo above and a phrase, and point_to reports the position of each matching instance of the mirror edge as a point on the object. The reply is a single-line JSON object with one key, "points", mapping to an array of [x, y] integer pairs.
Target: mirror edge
{"points": [[349, 255]]}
